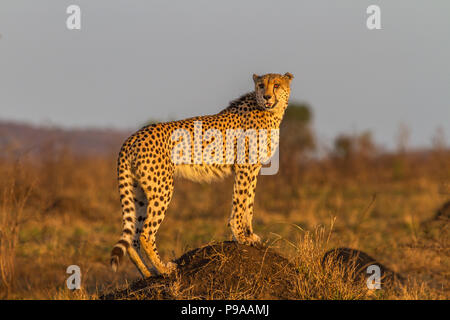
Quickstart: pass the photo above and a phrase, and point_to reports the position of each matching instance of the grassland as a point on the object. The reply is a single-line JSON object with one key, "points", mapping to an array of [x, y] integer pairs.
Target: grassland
{"points": [[58, 209]]}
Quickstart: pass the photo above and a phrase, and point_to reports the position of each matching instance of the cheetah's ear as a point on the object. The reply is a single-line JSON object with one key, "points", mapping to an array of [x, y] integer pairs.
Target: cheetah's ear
{"points": [[255, 78], [289, 76]]}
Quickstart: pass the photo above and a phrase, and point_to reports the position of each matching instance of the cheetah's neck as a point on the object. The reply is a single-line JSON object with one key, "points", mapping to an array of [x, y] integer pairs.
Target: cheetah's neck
{"points": [[247, 102]]}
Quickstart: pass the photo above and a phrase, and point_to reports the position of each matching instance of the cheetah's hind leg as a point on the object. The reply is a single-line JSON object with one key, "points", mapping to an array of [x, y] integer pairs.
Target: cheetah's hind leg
{"points": [[134, 251], [131, 226], [159, 193]]}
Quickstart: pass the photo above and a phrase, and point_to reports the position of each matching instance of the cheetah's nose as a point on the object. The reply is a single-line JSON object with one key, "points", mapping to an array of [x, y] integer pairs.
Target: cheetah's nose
{"points": [[267, 97]]}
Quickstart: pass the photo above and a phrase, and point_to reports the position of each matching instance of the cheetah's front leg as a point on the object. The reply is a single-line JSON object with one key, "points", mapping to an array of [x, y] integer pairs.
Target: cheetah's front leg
{"points": [[242, 205]]}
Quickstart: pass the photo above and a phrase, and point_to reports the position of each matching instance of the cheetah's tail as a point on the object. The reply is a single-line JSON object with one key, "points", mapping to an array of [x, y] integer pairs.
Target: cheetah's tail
{"points": [[117, 253], [126, 192]]}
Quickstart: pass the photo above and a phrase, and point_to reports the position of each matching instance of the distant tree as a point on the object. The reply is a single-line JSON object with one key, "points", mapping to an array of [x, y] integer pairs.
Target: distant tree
{"points": [[296, 140], [299, 112], [296, 127], [403, 136], [348, 146], [343, 146], [438, 140]]}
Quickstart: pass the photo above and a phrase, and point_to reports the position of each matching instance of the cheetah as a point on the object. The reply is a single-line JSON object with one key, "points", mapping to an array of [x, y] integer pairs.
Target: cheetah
{"points": [[151, 158]]}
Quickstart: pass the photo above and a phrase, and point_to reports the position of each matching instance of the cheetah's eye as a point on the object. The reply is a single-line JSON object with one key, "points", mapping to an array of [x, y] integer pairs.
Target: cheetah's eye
{"points": [[261, 86], [276, 85]]}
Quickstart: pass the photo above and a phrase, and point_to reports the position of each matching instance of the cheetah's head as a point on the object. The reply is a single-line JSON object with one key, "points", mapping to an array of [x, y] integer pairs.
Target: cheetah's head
{"points": [[272, 88]]}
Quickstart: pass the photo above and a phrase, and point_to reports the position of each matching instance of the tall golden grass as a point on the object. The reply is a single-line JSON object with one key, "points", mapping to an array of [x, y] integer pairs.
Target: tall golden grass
{"points": [[13, 200], [58, 209]]}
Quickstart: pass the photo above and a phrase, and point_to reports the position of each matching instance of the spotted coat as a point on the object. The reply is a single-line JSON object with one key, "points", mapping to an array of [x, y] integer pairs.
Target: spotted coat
{"points": [[151, 158]]}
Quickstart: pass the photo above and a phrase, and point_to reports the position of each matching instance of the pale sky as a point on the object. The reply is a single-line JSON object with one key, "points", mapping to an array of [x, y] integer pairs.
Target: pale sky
{"points": [[138, 60]]}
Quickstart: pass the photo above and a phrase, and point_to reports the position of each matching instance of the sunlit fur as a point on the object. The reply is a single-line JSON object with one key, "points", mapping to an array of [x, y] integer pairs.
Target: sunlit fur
{"points": [[199, 173], [150, 159]]}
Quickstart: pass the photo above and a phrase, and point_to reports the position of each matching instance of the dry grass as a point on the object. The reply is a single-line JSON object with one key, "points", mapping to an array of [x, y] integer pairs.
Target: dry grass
{"points": [[60, 209], [13, 200], [234, 272]]}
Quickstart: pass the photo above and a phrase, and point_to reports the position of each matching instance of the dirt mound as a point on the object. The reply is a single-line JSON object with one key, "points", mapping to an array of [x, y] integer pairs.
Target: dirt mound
{"points": [[444, 211], [219, 271], [229, 270], [437, 228], [359, 261]]}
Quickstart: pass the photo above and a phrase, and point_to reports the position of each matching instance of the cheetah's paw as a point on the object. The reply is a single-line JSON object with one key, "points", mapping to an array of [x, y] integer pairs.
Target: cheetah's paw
{"points": [[253, 240]]}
